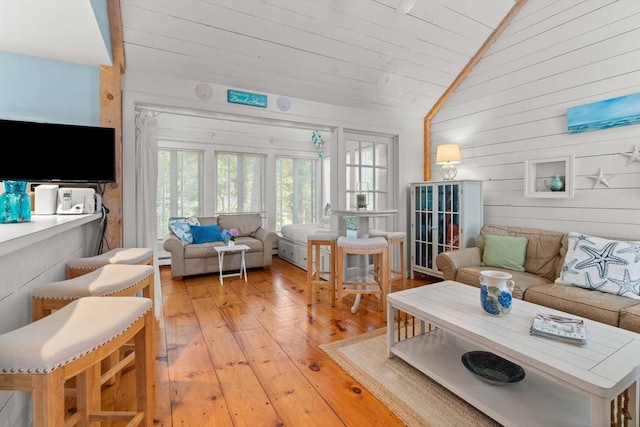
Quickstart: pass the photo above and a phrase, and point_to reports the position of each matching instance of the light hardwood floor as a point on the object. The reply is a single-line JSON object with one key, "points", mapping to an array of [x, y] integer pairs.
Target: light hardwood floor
{"points": [[247, 354]]}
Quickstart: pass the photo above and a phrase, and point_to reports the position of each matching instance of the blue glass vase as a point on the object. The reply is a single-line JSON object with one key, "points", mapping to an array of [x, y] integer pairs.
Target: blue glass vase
{"points": [[15, 204], [556, 183]]}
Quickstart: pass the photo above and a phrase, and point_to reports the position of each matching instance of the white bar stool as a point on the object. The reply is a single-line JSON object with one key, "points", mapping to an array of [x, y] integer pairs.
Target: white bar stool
{"points": [[80, 266], [39, 357], [109, 280], [315, 271], [397, 241], [379, 285]]}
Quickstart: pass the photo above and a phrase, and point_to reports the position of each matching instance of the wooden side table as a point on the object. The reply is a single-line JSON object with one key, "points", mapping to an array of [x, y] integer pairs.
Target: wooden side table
{"points": [[243, 266]]}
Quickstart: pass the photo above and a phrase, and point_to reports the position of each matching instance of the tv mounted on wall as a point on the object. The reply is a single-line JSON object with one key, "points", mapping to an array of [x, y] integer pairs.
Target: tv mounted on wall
{"points": [[51, 152]]}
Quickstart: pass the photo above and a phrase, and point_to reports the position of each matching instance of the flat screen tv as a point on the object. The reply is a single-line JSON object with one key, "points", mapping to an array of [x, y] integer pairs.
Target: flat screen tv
{"points": [[52, 152]]}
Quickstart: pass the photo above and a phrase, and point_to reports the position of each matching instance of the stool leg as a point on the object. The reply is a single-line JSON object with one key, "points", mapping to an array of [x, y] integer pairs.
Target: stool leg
{"points": [[144, 369], [403, 265], [88, 394], [332, 273], [48, 399], [384, 281], [310, 272], [339, 270]]}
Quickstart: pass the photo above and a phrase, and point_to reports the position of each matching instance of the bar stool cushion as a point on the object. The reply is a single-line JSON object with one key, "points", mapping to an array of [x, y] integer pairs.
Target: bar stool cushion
{"points": [[114, 256], [69, 333], [323, 235], [104, 281], [362, 243], [388, 234]]}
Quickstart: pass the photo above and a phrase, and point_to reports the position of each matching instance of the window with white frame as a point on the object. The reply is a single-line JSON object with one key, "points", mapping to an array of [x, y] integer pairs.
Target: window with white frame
{"points": [[240, 183], [179, 187], [367, 173], [296, 191]]}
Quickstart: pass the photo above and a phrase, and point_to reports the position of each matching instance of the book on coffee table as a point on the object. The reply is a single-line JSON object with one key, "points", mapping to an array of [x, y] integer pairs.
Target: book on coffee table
{"points": [[561, 328]]}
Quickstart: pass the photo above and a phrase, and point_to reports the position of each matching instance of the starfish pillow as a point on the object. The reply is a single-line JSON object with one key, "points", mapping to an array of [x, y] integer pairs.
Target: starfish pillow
{"points": [[604, 265]]}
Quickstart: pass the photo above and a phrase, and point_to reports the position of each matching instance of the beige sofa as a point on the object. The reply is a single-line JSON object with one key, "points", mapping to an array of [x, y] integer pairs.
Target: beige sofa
{"points": [[544, 259], [191, 259]]}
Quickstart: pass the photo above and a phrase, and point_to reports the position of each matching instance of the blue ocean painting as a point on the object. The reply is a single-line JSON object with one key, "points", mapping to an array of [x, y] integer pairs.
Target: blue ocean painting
{"points": [[621, 111]]}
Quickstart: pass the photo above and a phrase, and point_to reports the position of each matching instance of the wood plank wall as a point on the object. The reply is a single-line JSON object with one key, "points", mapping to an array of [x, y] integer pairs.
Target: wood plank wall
{"points": [[512, 107], [111, 116]]}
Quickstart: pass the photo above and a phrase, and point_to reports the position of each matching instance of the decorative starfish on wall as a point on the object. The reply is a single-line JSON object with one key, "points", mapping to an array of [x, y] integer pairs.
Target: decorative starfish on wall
{"points": [[601, 178], [633, 156]]}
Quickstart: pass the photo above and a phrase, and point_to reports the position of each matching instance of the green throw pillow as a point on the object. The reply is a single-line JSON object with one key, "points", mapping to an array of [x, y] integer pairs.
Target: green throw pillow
{"points": [[504, 252]]}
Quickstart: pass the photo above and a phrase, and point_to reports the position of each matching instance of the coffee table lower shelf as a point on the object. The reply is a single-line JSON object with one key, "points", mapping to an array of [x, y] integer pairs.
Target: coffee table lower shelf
{"points": [[534, 401]]}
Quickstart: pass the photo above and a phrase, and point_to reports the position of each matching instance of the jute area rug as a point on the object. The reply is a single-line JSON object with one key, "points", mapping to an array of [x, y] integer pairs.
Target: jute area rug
{"points": [[412, 396]]}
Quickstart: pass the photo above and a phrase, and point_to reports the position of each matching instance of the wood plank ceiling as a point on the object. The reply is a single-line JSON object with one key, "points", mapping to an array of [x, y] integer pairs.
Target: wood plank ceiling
{"points": [[357, 53]]}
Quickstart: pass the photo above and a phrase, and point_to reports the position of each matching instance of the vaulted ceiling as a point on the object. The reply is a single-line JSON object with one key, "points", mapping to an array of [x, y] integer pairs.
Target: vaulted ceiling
{"points": [[372, 54], [386, 55]]}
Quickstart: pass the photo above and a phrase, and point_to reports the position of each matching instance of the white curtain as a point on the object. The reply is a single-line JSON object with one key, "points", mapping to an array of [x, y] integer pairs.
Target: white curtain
{"points": [[146, 183]]}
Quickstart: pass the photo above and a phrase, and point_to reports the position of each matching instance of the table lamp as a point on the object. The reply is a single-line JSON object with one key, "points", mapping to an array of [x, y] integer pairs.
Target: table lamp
{"points": [[448, 155]]}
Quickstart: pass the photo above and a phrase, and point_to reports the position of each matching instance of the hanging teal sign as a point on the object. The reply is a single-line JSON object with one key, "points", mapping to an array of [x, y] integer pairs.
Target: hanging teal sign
{"points": [[246, 98]]}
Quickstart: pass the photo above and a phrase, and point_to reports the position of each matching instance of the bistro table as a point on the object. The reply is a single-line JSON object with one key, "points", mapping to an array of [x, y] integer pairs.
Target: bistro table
{"points": [[362, 217]]}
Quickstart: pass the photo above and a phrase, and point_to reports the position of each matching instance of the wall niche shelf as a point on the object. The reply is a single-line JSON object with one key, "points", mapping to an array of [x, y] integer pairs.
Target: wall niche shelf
{"points": [[538, 174]]}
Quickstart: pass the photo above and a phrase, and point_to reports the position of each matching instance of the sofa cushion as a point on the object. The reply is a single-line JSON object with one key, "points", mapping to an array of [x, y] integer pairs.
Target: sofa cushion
{"points": [[522, 280], [504, 252], [543, 247], [206, 233], [630, 318], [181, 227], [246, 224], [611, 266], [594, 305]]}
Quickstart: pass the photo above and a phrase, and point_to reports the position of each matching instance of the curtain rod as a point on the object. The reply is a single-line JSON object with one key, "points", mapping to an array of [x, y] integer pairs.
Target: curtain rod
{"points": [[232, 117]]}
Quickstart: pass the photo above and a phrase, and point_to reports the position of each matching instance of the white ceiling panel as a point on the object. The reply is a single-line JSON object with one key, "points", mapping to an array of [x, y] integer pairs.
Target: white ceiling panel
{"points": [[355, 53]]}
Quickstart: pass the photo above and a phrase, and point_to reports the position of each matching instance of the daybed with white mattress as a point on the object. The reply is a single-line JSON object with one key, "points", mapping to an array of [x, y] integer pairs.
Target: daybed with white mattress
{"points": [[292, 241]]}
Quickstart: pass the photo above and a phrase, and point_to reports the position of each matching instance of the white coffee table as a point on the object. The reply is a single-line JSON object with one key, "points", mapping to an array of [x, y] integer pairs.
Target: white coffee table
{"points": [[243, 266], [565, 384]]}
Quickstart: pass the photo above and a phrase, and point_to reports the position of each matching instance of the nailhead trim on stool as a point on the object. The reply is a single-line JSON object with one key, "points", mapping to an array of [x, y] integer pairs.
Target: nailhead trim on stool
{"points": [[80, 266], [317, 241], [108, 280], [376, 246], [115, 280], [39, 357]]}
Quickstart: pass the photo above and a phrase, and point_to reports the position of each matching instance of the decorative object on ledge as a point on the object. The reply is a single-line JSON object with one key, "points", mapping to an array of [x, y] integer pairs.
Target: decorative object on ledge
{"points": [[448, 155], [620, 111], [549, 178], [246, 98], [601, 178], [362, 188], [318, 142], [633, 156], [15, 203], [556, 183]]}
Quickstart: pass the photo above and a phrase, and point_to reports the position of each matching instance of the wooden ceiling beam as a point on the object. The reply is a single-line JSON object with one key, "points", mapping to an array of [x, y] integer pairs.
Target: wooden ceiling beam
{"points": [[458, 80]]}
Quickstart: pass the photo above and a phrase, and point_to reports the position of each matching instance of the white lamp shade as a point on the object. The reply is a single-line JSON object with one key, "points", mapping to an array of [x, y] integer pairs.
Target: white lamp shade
{"points": [[448, 154]]}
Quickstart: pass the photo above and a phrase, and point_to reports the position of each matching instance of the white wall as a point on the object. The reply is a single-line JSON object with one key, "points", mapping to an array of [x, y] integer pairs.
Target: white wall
{"points": [[142, 89], [512, 107]]}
